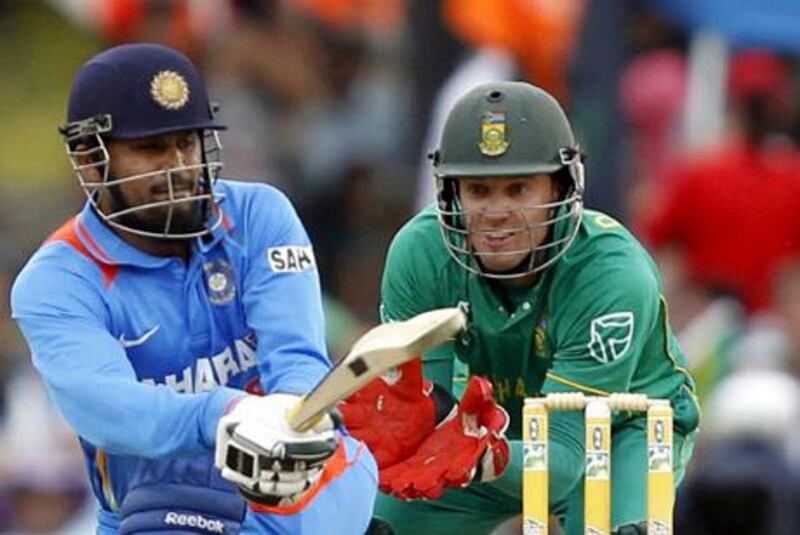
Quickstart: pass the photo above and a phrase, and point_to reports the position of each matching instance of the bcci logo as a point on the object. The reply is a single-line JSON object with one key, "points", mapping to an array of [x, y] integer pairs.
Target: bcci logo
{"points": [[220, 281], [170, 90]]}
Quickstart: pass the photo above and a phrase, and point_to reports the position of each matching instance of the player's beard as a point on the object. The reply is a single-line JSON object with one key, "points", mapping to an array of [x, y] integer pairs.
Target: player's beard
{"points": [[187, 217]]}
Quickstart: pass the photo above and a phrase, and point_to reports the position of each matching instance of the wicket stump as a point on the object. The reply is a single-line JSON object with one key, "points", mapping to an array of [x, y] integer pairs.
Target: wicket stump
{"points": [[597, 475]]}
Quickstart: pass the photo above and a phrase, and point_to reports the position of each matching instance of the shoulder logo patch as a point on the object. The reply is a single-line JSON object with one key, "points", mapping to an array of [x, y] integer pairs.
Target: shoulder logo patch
{"points": [[291, 258], [610, 336]]}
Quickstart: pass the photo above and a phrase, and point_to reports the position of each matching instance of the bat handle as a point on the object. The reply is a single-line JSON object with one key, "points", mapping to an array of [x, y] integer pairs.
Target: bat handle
{"points": [[292, 417], [304, 424], [292, 414]]}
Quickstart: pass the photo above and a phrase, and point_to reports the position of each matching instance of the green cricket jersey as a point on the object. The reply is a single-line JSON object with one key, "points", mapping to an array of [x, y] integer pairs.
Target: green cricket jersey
{"points": [[594, 322]]}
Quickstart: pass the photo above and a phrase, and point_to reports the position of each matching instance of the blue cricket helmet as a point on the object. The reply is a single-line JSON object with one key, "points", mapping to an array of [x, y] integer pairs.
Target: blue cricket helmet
{"points": [[135, 91], [146, 89]]}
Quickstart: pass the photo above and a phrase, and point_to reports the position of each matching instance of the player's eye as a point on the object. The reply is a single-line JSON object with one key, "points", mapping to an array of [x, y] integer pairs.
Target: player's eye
{"points": [[187, 142], [477, 190], [517, 189], [148, 146]]}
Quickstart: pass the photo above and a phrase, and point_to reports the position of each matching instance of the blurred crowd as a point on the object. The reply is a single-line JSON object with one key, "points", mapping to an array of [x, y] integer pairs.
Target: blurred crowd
{"points": [[691, 130]]}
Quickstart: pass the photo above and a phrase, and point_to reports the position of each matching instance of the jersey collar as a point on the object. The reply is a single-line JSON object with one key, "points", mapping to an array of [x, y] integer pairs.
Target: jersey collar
{"points": [[204, 244], [107, 247]]}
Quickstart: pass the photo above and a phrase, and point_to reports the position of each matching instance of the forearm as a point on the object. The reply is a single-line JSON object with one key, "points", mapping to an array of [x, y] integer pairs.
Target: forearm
{"points": [[291, 351], [130, 418], [96, 389]]}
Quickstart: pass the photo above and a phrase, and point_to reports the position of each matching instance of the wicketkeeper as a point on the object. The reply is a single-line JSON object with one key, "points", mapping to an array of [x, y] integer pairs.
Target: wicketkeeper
{"points": [[560, 298]]}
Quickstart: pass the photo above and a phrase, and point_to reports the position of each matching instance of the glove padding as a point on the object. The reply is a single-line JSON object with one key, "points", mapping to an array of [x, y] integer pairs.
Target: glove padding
{"points": [[271, 463], [471, 446], [395, 413]]}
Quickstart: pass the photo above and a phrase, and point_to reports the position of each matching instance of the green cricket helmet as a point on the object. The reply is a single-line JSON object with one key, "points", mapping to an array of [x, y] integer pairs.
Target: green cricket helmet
{"points": [[509, 129]]}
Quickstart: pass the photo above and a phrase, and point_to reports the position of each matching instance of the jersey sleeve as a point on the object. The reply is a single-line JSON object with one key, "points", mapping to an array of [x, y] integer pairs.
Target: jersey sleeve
{"points": [[602, 323], [66, 324], [282, 297], [605, 313], [403, 293]]}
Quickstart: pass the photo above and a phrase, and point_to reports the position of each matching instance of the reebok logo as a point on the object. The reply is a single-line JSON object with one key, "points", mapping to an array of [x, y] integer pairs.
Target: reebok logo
{"points": [[194, 521]]}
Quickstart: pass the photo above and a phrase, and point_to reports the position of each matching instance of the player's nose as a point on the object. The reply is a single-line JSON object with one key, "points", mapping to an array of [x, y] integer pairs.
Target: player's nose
{"points": [[175, 156], [498, 212]]}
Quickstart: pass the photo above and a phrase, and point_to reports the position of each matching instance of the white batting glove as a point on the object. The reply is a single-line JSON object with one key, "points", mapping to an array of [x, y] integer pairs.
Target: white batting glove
{"points": [[270, 462]]}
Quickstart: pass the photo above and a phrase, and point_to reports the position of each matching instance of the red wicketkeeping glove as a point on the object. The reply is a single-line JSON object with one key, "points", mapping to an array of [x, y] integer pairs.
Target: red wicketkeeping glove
{"points": [[393, 414], [471, 446]]}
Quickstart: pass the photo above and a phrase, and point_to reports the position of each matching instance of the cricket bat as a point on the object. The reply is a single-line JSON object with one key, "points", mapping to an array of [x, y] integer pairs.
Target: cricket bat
{"points": [[378, 350]]}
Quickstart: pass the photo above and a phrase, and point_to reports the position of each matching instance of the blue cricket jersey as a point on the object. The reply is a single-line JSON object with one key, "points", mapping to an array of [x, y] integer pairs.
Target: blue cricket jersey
{"points": [[142, 353]]}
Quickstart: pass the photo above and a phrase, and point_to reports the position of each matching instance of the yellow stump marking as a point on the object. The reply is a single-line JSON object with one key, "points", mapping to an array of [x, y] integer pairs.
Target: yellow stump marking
{"points": [[535, 475], [597, 484], [660, 485]]}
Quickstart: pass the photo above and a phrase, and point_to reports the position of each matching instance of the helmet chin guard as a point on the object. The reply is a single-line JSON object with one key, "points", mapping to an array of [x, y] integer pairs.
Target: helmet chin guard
{"points": [[560, 230]]}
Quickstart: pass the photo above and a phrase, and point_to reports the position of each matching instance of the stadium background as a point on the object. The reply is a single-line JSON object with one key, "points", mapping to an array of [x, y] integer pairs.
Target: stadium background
{"points": [[689, 112]]}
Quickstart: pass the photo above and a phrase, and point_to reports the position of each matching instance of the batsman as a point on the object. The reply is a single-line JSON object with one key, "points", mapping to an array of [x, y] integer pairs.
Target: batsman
{"points": [[560, 299]]}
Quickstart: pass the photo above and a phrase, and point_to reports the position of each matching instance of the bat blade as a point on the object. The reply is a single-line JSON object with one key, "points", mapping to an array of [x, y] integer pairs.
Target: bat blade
{"points": [[378, 350]]}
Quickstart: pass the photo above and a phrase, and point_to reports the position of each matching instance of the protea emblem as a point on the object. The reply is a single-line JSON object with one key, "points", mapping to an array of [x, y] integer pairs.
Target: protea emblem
{"points": [[493, 133], [611, 336]]}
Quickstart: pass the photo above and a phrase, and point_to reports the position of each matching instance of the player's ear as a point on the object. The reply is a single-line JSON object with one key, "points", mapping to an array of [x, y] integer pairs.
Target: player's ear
{"points": [[560, 185], [555, 193]]}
